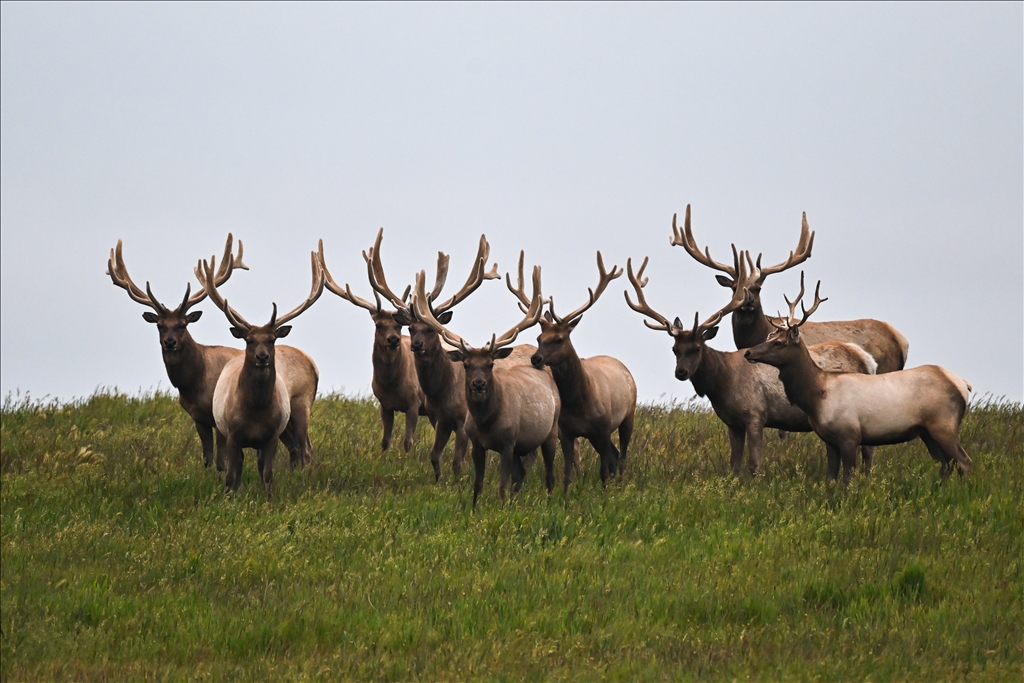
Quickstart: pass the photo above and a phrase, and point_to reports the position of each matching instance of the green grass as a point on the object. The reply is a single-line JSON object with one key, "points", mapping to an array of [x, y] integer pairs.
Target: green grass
{"points": [[123, 559]]}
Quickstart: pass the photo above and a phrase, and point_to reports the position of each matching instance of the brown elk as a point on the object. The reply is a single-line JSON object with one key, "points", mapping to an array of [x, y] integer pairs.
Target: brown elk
{"points": [[192, 368], [598, 394], [512, 409], [441, 380], [394, 380], [267, 391], [850, 410], [750, 326], [746, 397]]}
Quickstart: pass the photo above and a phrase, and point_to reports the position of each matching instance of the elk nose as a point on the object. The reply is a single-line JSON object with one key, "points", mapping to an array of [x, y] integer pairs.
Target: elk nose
{"points": [[479, 385], [682, 374], [393, 340], [169, 344], [417, 345], [262, 356], [537, 360], [746, 354]]}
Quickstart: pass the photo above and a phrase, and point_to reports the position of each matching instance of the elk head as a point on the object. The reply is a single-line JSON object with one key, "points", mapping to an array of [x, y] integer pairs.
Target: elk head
{"points": [[784, 342], [259, 339], [553, 344], [688, 345], [171, 323]]}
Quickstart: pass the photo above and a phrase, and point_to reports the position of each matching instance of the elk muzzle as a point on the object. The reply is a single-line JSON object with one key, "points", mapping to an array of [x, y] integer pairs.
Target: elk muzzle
{"points": [[537, 360]]}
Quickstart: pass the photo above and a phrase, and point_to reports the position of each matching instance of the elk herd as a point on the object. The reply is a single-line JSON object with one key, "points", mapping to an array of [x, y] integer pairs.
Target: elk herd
{"points": [[843, 380]]}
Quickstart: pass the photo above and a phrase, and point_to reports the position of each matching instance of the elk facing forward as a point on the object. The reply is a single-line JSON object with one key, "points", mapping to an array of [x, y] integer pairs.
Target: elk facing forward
{"points": [[598, 394], [267, 391], [192, 368], [848, 410]]}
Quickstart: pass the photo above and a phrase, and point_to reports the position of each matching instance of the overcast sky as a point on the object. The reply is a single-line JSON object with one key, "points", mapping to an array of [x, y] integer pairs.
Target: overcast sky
{"points": [[558, 129]]}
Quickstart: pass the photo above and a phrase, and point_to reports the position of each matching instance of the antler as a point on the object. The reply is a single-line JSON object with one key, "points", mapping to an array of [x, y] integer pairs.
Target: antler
{"points": [[643, 308], [684, 238], [207, 278], [791, 322], [801, 254], [476, 277], [605, 278], [317, 288], [532, 315], [346, 291], [421, 307], [375, 273], [119, 276], [744, 280], [228, 265]]}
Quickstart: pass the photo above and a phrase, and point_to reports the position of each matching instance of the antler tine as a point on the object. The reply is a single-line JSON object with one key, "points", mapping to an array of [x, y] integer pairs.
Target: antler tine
{"points": [[595, 294], [643, 308], [792, 304], [817, 302], [520, 289], [476, 276], [739, 295], [685, 240], [442, 275], [315, 290], [421, 308], [119, 276], [801, 254], [205, 274], [228, 265], [345, 292], [532, 315], [375, 273]]}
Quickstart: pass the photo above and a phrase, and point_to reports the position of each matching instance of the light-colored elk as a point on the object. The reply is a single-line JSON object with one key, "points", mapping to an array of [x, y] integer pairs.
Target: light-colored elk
{"points": [[441, 379], [192, 368], [394, 382], [266, 391], [598, 394], [747, 398], [750, 326], [850, 410], [512, 409]]}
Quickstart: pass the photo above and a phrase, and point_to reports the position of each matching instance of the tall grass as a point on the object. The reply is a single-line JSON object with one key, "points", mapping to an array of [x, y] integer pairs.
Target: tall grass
{"points": [[123, 559]]}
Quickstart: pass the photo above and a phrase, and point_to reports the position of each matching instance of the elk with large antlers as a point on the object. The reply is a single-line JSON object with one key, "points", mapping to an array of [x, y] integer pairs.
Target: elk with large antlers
{"points": [[750, 326], [266, 392], [850, 410], [747, 398], [512, 409], [598, 394], [192, 368], [441, 379], [394, 380]]}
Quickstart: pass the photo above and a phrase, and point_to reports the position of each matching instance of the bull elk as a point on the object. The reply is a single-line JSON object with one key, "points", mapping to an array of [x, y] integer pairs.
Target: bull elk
{"points": [[192, 368], [394, 380], [750, 326], [513, 409], [850, 410], [746, 397], [441, 379], [598, 394], [266, 393]]}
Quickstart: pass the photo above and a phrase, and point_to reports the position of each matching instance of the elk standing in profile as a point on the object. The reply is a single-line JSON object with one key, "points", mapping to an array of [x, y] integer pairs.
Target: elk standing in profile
{"points": [[512, 409], [850, 410], [746, 397], [750, 326], [192, 368], [266, 391], [441, 379], [394, 381], [598, 394]]}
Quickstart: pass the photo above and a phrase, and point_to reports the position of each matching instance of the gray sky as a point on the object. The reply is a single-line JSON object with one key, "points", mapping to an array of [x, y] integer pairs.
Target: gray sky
{"points": [[558, 129]]}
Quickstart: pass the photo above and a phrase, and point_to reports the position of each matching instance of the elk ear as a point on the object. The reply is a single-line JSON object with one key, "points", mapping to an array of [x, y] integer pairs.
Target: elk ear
{"points": [[503, 352], [238, 333], [402, 318], [456, 355], [445, 318], [794, 334], [149, 317], [710, 333], [725, 281], [193, 316], [282, 332], [573, 323]]}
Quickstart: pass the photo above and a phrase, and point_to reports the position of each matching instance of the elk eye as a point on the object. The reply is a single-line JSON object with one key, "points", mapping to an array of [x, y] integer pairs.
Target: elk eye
{"points": [[777, 343]]}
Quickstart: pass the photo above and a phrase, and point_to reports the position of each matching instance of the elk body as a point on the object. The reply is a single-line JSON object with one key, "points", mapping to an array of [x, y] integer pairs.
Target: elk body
{"points": [[192, 368], [598, 394], [849, 410], [750, 326], [747, 398], [394, 382], [513, 409], [268, 392]]}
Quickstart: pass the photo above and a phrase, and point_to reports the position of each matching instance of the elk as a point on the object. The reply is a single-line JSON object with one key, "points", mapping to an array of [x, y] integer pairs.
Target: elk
{"points": [[746, 397], [513, 409], [441, 379], [192, 368], [598, 394], [394, 381], [850, 410], [263, 395], [750, 326]]}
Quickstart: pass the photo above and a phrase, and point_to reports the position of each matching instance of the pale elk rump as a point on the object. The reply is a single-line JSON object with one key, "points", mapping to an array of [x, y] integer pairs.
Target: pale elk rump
{"points": [[848, 410], [598, 394], [750, 326], [747, 398], [268, 392], [192, 368], [513, 409], [394, 382]]}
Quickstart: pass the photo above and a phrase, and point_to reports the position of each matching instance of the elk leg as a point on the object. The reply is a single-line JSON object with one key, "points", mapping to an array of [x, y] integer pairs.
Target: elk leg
{"points": [[736, 439], [609, 455], [387, 418], [291, 443], [206, 438], [832, 453], [518, 471], [479, 464], [221, 447], [441, 435], [410, 429], [461, 441], [547, 450], [568, 458], [504, 471], [625, 434], [755, 444], [266, 459], [848, 455], [233, 454], [867, 454], [938, 454], [299, 425]]}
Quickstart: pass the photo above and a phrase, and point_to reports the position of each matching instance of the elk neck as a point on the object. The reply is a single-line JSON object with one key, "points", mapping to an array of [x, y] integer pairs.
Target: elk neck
{"points": [[487, 409], [186, 365], [803, 380], [750, 328], [257, 384], [388, 362], [572, 382], [712, 378], [436, 373]]}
